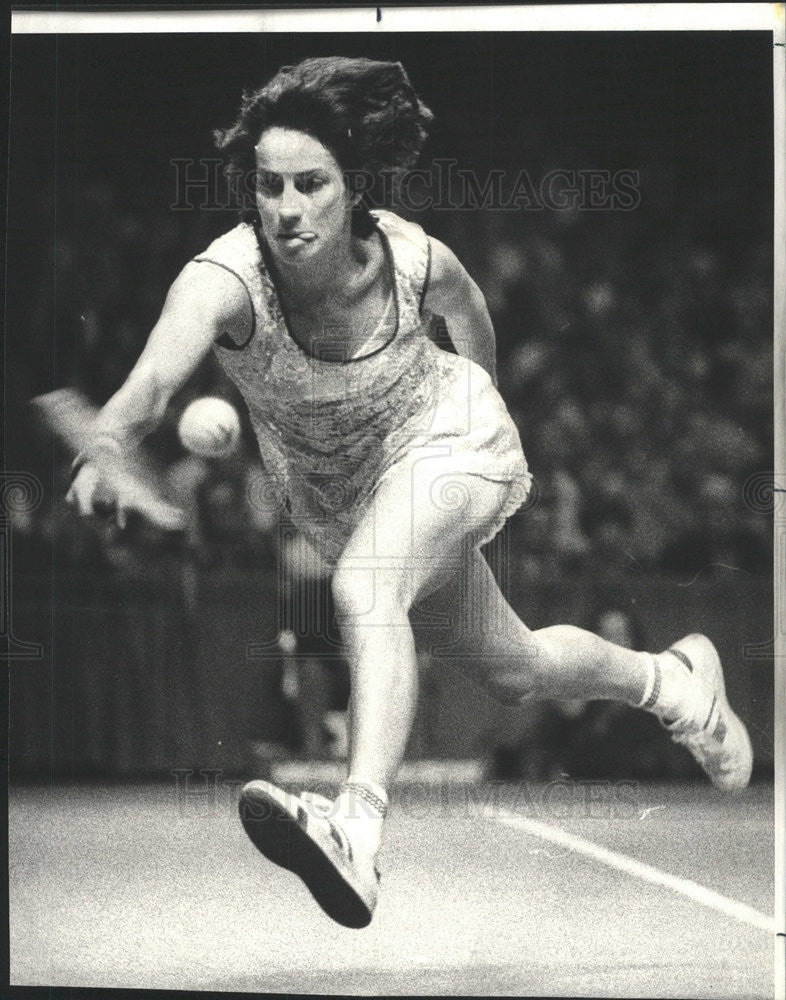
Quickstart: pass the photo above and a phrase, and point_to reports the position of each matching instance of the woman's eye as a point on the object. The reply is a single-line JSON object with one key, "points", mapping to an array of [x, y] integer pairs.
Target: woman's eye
{"points": [[308, 185], [270, 183]]}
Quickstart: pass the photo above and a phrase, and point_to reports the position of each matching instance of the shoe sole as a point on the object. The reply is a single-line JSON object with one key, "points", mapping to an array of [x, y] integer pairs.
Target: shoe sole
{"points": [[277, 825], [709, 671]]}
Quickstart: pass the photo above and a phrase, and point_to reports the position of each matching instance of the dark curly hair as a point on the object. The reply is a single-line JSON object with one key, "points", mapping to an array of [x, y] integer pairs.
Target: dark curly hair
{"points": [[365, 112]]}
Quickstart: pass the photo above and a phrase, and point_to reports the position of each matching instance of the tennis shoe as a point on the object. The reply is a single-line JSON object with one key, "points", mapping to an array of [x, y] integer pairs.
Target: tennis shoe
{"points": [[712, 732], [299, 833]]}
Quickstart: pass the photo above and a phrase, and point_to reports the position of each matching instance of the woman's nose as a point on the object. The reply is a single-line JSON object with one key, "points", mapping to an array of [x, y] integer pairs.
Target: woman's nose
{"points": [[291, 204]]}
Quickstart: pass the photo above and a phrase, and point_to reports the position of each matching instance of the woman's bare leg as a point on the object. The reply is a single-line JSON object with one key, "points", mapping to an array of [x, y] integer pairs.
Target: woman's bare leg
{"points": [[418, 543], [682, 686], [423, 519], [415, 536], [469, 621]]}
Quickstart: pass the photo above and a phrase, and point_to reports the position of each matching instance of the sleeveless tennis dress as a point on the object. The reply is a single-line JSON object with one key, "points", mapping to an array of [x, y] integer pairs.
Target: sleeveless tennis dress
{"points": [[331, 428]]}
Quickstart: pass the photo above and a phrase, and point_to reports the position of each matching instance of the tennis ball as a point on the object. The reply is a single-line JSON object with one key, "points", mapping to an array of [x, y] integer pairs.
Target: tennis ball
{"points": [[210, 427]]}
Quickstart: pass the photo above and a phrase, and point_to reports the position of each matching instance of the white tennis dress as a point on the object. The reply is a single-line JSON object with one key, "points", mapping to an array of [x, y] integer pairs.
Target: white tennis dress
{"points": [[330, 428]]}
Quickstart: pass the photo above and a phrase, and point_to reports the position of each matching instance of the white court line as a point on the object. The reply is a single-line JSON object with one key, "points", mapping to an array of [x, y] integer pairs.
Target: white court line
{"points": [[698, 893]]}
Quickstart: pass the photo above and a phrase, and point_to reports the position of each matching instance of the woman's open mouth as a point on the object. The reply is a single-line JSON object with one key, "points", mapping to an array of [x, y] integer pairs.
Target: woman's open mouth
{"points": [[295, 239]]}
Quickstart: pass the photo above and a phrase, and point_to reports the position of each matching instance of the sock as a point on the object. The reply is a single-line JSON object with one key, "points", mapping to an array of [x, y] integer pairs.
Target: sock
{"points": [[361, 808], [668, 691]]}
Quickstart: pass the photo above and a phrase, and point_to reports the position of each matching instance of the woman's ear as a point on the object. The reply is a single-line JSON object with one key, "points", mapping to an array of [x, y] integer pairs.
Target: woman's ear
{"points": [[356, 182]]}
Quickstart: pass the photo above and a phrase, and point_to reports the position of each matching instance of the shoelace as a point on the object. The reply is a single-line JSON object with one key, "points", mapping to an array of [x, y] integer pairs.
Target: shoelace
{"points": [[696, 741]]}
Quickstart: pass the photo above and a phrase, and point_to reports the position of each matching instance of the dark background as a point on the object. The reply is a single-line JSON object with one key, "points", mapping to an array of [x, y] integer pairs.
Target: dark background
{"points": [[635, 353]]}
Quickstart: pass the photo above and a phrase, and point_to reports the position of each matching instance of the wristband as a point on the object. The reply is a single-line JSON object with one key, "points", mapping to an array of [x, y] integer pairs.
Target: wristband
{"points": [[77, 464]]}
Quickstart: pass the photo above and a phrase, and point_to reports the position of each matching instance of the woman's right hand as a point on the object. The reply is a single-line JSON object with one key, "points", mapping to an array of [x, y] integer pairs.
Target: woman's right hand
{"points": [[119, 491], [203, 302]]}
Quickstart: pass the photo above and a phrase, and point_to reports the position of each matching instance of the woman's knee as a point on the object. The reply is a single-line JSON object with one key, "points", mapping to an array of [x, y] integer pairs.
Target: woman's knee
{"points": [[360, 593]]}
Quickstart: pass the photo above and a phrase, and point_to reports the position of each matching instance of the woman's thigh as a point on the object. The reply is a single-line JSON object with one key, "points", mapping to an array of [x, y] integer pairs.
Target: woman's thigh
{"points": [[421, 527]]}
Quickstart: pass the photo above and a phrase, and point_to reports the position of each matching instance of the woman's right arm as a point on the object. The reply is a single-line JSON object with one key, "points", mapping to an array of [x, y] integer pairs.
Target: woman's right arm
{"points": [[203, 302]]}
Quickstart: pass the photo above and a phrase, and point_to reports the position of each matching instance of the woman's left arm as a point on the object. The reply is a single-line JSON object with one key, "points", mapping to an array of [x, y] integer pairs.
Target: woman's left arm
{"points": [[453, 294]]}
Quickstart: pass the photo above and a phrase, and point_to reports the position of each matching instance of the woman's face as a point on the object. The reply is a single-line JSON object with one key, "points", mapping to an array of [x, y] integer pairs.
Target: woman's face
{"points": [[301, 197]]}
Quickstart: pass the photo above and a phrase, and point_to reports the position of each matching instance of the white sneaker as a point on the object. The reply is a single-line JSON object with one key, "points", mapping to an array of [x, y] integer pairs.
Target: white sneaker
{"points": [[297, 833], [714, 735]]}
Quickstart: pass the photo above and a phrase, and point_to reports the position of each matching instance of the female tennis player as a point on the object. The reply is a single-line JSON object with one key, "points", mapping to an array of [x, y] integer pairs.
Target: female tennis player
{"points": [[396, 458]]}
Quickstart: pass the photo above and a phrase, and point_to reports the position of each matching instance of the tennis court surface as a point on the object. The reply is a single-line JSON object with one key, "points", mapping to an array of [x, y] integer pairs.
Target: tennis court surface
{"points": [[563, 889]]}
